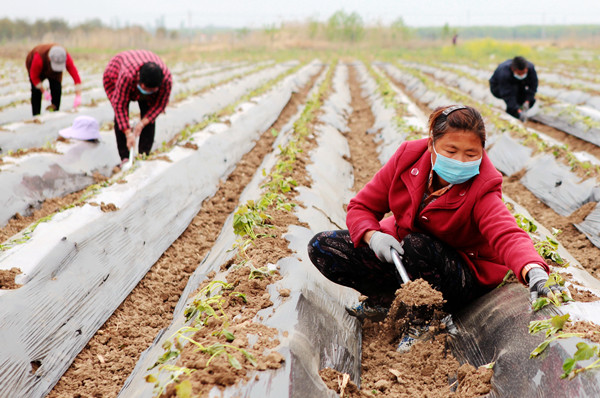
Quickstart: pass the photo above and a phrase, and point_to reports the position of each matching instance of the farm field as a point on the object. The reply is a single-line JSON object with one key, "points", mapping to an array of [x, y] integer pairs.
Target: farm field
{"points": [[188, 274]]}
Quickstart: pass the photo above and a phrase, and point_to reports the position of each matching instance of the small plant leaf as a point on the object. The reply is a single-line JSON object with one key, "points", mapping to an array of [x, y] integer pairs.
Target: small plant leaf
{"points": [[234, 362], [228, 335], [151, 379], [184, 389], [249, 357], [540, 303]]}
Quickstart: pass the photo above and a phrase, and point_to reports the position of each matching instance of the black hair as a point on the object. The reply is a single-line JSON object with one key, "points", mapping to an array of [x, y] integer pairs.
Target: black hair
{"points": [[151, 74], [519, 63], [457, 117]]}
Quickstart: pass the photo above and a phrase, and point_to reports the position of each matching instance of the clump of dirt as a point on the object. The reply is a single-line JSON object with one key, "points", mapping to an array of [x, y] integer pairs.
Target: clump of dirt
{"points": [[416, 303], [7, 278], [108, 207], [190, 145], [474, 382], [341, 384], [98, 177], [428, 369]]}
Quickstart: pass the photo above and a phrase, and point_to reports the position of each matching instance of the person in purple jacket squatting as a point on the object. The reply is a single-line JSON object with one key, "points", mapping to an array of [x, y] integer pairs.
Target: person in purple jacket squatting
{"points": [[448, 223]]}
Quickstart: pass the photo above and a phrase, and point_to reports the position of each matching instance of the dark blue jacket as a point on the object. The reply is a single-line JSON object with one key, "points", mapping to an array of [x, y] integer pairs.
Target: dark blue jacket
{"points": [[505, 86]]}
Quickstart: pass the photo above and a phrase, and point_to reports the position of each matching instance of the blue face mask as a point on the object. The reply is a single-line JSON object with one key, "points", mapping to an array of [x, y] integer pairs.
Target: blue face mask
{"points": [[144, 91], [521, 77], [454, 171]]}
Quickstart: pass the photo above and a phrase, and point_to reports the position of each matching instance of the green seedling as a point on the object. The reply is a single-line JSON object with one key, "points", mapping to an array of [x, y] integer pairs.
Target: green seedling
{"points": [[550, 326], [225, 333], [203, 306], [556, 299], [509, 273], [217, 349], [548, 248], [170, 353], [540, 348], [175, 373], [240, 295], [583, 353], [525, 223], [259, 273], [248, 217]]}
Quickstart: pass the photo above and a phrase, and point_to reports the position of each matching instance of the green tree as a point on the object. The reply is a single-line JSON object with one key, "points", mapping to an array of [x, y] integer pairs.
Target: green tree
{"points": [[345, 27], [399, 29]]}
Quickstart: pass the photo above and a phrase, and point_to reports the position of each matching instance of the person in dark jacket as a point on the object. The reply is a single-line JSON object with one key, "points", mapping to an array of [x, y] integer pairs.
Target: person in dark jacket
{"points": [[515, 81], [448, 223], [48, 61]]}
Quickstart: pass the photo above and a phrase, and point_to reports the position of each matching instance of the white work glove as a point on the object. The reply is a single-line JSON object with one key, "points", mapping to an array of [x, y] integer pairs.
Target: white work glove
{"points": [[382, 243], [537, 278]]}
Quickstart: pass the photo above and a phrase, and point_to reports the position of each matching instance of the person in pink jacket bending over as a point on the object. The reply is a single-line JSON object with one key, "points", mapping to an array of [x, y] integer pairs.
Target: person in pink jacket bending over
{"points": [[448, 223]]}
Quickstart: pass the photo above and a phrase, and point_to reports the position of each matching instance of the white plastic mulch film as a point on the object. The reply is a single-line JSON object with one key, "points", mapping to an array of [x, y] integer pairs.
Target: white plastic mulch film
{"points": [[79, 267]]}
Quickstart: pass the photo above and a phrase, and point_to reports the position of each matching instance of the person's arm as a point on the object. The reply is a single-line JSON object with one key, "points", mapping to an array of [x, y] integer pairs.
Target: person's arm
{"points": [[371, 203], [512, 244], [74, 74], [35, 71]]}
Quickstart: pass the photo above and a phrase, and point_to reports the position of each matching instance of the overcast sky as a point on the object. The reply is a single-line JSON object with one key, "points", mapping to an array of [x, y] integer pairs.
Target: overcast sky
{"points": [[259, 13]]}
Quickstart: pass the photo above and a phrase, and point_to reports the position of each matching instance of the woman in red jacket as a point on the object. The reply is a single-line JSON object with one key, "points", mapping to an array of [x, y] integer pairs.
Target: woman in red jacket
{"points": [[448, 222], [48, 61]]}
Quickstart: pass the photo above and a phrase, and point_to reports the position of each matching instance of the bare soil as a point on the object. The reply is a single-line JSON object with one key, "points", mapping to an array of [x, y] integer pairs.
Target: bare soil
{"points": [[145, 312], [427, 370], [7, 278]]}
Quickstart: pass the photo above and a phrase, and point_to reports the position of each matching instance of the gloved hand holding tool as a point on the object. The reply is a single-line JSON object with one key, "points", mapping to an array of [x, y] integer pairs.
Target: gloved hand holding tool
{"points": [[131, 144], [388, 249], [381, 243], [537, 279], [132, 155]]}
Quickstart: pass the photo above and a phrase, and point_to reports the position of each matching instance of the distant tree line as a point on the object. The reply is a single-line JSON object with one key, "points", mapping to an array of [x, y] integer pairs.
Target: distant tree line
{"points": [[21, 29], [339, 27], [523, 32]]}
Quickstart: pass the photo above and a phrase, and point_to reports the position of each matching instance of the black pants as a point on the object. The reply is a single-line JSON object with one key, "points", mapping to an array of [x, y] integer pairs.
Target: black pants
{"points": [[521, 98], [146, 137], [335, 256], [36, 96]]}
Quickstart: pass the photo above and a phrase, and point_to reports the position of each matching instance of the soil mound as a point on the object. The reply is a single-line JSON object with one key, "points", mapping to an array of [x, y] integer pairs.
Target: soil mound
{"points": [[428, 369]]}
